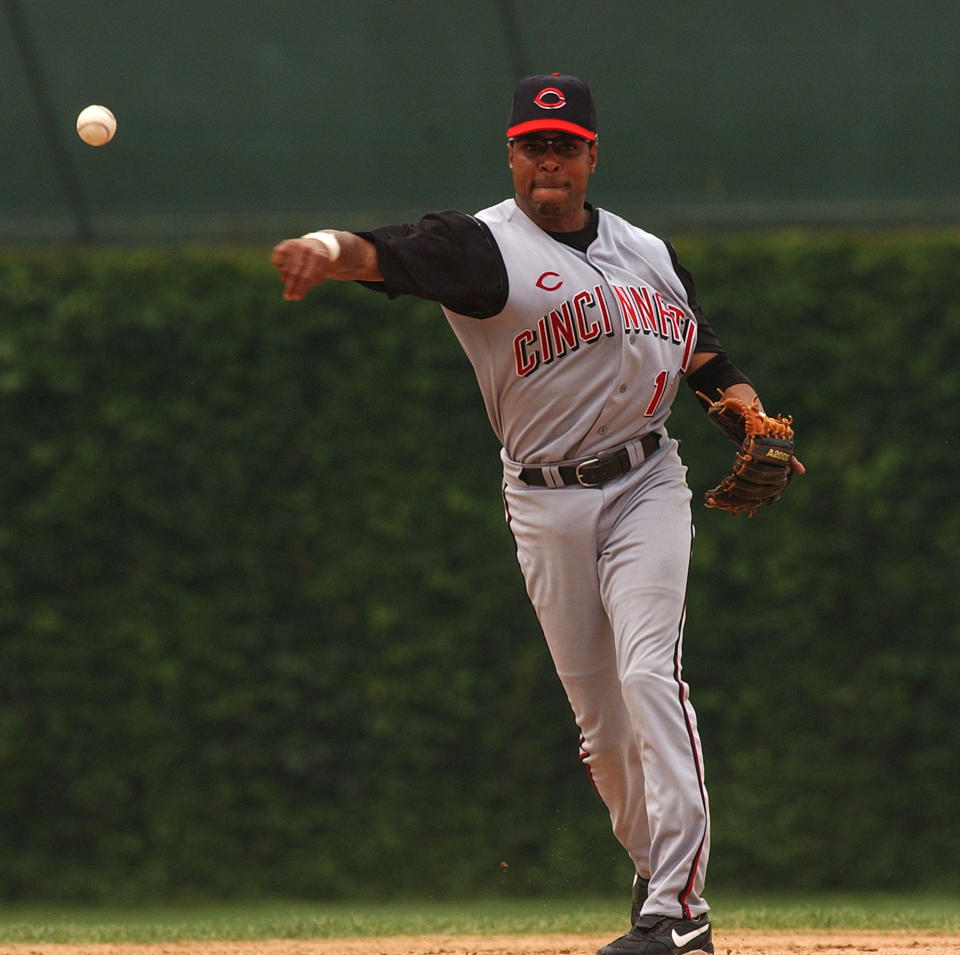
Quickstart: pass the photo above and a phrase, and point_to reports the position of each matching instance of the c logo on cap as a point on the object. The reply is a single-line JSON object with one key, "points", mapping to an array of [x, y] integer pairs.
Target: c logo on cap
{"points": [[550, 98]]}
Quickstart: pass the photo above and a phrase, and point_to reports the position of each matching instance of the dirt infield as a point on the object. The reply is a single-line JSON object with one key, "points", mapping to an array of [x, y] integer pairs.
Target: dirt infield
{"points": [[725, 943]]}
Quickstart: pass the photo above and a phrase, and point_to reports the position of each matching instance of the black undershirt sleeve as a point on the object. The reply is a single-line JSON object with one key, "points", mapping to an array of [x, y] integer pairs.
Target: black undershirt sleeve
{"points": [[447, 257], [715, 376]]}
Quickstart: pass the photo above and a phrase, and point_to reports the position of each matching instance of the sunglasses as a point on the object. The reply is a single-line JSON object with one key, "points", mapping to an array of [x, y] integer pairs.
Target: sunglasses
{"points": [[564, 147]]}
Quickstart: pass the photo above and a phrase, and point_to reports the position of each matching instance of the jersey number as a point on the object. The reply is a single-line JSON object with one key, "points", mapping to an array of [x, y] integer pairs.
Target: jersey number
{"points": [[658, 394]]}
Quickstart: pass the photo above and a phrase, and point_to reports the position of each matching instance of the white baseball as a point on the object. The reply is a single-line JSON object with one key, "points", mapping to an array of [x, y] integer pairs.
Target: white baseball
{"points": [[96, 125]]}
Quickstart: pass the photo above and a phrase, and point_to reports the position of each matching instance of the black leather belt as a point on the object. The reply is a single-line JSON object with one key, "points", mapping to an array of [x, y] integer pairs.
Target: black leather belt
{"points": [[594, 472]]}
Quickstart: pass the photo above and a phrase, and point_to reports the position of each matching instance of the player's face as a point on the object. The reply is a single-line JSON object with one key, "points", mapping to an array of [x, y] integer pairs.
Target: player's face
{"points": [[550, 174]]}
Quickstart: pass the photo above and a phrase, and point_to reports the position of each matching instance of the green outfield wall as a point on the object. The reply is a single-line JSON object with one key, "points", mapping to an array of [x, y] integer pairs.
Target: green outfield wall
{"points": [[259, 118], [262, 631]]}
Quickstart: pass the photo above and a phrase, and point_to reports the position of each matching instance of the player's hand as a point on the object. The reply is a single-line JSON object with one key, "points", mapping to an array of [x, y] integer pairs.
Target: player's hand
{"points": [[796, 466], [302, 264]]}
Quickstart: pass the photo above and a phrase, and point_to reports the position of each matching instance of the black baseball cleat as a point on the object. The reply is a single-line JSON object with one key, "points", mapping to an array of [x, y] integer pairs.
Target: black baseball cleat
{"points": [[662, 935]]}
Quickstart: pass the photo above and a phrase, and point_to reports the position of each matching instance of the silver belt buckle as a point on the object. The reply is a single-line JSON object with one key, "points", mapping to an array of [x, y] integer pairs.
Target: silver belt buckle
{"points": [[580, 479]]}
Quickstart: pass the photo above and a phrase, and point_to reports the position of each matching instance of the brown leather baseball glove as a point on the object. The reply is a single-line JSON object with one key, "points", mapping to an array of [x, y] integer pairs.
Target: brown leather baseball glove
{"points": [[762, 468]]}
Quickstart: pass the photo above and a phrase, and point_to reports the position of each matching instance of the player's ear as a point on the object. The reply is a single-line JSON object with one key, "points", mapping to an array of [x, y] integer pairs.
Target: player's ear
{"points": [[593, 156]]}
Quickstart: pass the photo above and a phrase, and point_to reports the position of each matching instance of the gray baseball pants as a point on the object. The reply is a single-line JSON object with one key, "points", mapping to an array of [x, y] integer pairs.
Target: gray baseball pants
{"points": [[606, 570]]}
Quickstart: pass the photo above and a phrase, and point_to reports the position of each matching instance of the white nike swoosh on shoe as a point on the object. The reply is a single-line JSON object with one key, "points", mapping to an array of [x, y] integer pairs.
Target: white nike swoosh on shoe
{"points": [[681, 940]]}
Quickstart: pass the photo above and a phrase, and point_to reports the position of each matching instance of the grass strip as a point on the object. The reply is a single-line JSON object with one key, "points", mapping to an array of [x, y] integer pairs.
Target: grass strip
{"points": [[305, 920]]}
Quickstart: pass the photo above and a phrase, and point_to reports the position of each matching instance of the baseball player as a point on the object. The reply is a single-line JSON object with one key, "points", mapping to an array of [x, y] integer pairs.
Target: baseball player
{"points": [[580, 328]]}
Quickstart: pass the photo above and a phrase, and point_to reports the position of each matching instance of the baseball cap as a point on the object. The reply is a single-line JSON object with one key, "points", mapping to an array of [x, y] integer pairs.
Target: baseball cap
{"points": [[554, 101]]}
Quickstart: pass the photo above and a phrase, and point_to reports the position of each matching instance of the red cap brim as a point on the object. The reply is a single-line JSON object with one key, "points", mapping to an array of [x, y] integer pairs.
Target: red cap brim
{"points": [[531, 126]]}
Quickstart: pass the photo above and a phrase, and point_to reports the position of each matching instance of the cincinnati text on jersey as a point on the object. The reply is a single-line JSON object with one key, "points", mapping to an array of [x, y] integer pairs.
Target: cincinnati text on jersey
{"points": [[585, 319]]}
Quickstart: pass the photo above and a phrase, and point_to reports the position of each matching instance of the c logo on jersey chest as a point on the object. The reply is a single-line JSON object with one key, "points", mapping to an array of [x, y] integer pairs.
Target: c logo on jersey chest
{"points": [[547, 283]]}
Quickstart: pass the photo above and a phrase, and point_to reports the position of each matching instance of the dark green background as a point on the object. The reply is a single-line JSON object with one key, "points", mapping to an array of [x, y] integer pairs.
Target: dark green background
{"points": [[263, 119], [262, 631]]}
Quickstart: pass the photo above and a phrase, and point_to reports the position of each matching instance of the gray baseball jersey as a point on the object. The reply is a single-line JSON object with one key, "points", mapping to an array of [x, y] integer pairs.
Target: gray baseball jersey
{"points": [[611, 327]]}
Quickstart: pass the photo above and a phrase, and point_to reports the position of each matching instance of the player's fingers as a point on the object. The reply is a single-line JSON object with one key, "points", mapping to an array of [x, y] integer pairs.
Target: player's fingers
{"points": [[797, 466], [296, 285], [290, 276], [297, 266], [283, 259], [283, 252]]}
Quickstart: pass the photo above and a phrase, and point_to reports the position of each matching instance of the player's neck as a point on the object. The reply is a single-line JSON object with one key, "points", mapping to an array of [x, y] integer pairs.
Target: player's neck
{"points": [[552, 219], [581, 238]]}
